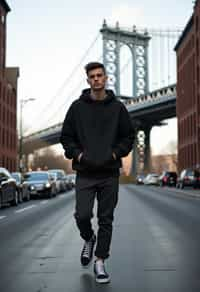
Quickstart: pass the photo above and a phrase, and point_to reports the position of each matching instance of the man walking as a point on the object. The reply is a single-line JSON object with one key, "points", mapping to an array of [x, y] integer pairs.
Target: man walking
{"points": [[97, 132]]}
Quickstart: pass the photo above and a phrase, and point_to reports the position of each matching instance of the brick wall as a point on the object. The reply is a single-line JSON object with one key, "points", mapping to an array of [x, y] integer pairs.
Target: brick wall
{"points": [[8, 101], [188, 95]]}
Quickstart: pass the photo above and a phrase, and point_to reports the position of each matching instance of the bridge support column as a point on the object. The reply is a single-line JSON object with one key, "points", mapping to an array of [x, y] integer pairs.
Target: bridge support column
{"points": [[141, 161], [147, 150]]}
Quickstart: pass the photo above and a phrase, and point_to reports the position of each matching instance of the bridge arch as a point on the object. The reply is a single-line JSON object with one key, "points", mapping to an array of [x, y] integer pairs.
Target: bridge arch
{"points": [[126, 70], [113, 39]]}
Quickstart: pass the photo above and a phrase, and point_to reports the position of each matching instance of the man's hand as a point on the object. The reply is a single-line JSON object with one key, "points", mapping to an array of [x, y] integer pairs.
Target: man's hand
{"points": [[79, 157], [114, 155]]}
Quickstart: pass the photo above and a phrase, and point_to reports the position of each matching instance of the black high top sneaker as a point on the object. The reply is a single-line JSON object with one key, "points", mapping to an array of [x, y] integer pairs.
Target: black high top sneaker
{"points": [[87, 251], [101, 276]]}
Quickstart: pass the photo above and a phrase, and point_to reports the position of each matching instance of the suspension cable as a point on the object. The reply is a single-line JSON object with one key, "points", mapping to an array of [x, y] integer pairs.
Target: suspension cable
{"points": [[68, 79], [68, 100]]}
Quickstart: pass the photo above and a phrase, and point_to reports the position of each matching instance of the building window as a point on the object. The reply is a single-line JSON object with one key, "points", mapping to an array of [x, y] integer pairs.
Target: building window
{"points": [[4, 93], [3, 161], [2, 19], [7, 163], [198, 74], [3, 115], [3, 138]]}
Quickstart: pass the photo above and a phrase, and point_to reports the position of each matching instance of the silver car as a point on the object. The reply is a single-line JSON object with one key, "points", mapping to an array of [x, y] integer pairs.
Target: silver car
{"points": [[151, 179], [60, 178], [22, 187]]}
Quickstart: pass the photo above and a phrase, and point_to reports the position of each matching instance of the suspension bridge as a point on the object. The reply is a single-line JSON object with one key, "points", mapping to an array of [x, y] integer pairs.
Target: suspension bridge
{"points": [[141, 69]]}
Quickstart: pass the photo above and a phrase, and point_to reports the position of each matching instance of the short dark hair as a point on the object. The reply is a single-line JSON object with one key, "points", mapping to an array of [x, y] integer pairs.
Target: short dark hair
{"points": [[94, 65]]}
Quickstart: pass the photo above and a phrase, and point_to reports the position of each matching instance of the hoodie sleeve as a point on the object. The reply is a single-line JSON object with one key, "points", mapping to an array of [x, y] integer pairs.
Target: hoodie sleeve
{"points": [[125, 136], [68, 137]]}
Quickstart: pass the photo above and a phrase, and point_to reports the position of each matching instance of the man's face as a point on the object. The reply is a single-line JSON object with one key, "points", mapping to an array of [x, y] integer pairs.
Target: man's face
{"points": [[97, 79]]}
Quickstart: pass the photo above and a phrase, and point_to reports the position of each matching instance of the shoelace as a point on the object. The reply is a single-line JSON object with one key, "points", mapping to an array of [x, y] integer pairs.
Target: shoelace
{"points": [[86, 249], [100, 269]]}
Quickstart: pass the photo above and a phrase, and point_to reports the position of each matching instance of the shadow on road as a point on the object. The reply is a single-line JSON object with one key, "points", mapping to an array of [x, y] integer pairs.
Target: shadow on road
{"points": [[87, 283]]}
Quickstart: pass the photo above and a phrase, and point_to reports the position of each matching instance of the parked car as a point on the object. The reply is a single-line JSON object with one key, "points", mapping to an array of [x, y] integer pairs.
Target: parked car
{"points": [[168, 178], [41, 183], [189, 177], [72, 179], [57, 182], [68, 182], [140, 179], [8, 188], [22, 187], [60, 173], [151, 179]]}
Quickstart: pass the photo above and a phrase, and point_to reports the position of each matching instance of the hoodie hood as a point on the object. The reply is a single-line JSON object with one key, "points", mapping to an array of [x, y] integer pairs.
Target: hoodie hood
{"points": [[86, 96]]}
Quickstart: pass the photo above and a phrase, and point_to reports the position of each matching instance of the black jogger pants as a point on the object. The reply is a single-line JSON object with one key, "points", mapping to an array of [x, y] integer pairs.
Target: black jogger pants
{"points": [[106, 192]]}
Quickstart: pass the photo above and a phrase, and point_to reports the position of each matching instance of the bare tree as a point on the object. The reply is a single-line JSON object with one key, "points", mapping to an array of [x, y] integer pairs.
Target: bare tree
{"points": [[166, 161], [172, 150], [48, 159]]}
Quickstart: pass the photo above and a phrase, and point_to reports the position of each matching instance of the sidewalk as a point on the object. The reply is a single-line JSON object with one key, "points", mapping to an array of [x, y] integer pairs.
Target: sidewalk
{"points": [[187, 191]]}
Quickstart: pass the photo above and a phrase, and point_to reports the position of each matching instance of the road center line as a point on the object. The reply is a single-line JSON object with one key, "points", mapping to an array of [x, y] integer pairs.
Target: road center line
{"points": [[24, 209], [2, 217]]}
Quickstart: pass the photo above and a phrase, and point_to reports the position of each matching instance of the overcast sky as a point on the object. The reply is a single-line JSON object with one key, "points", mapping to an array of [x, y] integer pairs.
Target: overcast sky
{"points": [[46, 39]]}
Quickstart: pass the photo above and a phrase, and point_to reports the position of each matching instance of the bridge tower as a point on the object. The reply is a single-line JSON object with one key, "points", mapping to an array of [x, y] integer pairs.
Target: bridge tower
{"points": [[113, 39]]}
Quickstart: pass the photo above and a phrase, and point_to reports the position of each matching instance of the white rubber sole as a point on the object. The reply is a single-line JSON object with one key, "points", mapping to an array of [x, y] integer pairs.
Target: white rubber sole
{"points": [[103, 281]]}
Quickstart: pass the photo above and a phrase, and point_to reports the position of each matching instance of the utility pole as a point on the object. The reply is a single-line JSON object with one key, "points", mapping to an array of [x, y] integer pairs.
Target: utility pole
{"points": [[22, 103]]}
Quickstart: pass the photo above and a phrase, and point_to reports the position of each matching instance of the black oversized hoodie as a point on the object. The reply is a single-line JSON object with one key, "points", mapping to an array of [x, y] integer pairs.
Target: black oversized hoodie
{"points": [[97, 129]]}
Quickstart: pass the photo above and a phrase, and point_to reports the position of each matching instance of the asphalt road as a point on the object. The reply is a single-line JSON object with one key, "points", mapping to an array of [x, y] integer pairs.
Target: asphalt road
{"points": [[155, 247]]}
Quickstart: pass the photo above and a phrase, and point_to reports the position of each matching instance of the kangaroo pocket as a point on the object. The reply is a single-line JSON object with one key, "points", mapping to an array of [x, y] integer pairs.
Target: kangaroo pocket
{"points": [[92, 160]]}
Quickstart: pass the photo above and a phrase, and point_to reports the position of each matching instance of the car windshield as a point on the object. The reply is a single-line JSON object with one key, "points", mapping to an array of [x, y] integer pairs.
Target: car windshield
{"points": [[16, 177], [190, 173], [72, 175], [59, 173], [53, 175], [36, 176], [152, 175], [54, 172], [171, 174], [197, 173], [140, 175]]}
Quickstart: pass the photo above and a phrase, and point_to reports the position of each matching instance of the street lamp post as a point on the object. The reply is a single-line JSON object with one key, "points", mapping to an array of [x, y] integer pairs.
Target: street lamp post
{"points": [[22, 103]]}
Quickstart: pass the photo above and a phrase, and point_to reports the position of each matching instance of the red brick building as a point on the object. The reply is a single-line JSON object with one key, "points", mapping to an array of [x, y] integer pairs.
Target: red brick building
{"points": [[188, 92], [8, 100], [167, 162]]}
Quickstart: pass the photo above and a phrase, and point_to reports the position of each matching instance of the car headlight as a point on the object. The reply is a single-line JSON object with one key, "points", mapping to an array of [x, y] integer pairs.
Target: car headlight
{"points": [[32, 188], [47, 185]]}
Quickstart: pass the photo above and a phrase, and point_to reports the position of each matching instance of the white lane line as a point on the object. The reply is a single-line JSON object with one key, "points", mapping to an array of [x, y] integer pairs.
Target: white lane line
{"points": [[2, 217], [43, 202], [24, 209]]}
